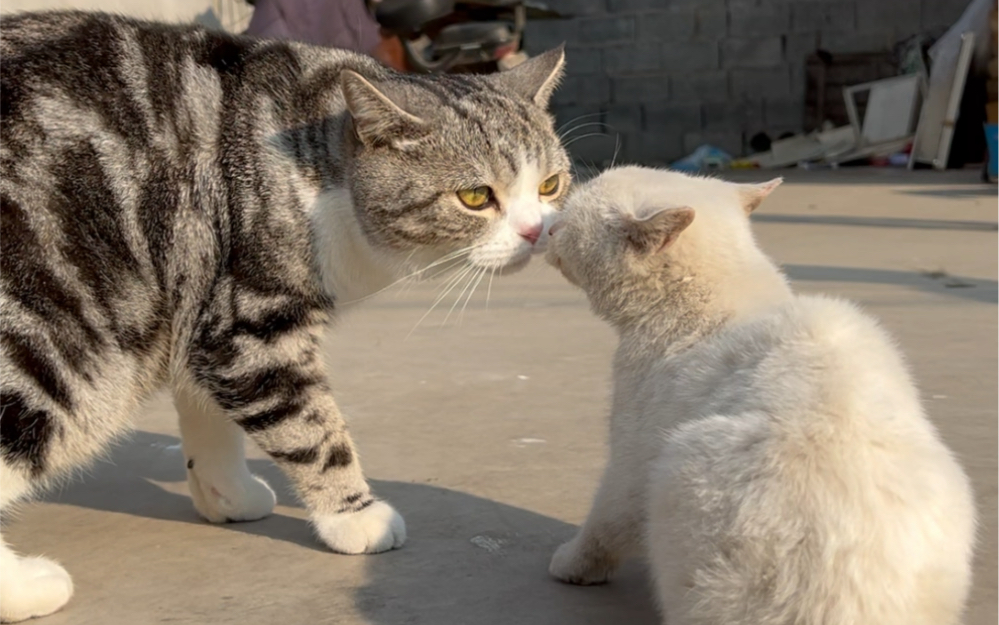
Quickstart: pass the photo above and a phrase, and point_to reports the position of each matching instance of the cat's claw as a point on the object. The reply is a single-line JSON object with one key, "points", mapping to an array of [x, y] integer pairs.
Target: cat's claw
{"points": [[230, 500], [374, 529], [571, 566], [33, 587]]}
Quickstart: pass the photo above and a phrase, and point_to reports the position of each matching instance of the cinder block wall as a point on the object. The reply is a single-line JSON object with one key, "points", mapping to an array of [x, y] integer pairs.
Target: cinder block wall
{"points": [[666, 76]]}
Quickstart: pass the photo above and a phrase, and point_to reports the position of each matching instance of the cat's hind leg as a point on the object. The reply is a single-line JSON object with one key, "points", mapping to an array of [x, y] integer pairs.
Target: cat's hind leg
{"points": [[222, 487], [703, 570]]}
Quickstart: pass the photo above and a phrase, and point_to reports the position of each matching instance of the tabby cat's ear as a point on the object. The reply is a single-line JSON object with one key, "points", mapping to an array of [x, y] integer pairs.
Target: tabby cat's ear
{"points": [[754, 194], [655, 233], [536, 78], [379, 117]]}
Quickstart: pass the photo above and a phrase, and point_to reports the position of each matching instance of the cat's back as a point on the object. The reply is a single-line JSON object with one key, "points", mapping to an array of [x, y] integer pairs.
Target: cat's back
{"points": [[804, 450], [812, 354]]}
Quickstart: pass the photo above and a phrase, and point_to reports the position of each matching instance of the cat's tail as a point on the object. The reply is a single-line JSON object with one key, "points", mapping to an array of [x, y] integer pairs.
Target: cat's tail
{"points": [[740, 533]]}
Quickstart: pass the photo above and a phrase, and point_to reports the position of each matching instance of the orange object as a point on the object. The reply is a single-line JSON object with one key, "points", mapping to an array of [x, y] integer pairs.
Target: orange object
{"points": [[992, 113]]}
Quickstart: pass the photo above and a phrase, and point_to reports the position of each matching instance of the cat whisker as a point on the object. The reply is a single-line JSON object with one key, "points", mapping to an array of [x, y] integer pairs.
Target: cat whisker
{"points": [[461, 294], [617, 148], [587, 135], [489, 289], [453, 256], [576, 119], [451, 283], [575, 128], [461, 313]]}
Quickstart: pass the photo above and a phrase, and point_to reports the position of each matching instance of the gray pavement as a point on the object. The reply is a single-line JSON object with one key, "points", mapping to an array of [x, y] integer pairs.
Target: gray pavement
{"points": [[488, 435]]}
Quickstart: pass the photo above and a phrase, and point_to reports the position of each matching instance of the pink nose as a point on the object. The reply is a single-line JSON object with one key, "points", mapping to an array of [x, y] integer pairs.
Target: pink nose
{"points": [[532, 233]]}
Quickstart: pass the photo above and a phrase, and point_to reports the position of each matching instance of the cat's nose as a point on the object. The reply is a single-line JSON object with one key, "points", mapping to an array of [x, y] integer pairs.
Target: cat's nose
{"points": [[531, 233]]}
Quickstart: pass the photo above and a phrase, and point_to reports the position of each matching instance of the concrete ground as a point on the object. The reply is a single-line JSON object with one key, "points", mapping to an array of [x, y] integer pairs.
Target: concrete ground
{"points": [[488, 434]]}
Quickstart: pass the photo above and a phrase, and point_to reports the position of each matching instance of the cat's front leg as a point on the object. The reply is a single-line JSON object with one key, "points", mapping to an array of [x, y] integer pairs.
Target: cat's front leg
{"points": [[611, 532], [276, 391]]}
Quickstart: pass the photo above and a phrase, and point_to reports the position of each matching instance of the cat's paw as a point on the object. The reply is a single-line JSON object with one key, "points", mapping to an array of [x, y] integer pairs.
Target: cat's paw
{"points": [[33, 587], [230, 499], [374, 529], [574, 566]]}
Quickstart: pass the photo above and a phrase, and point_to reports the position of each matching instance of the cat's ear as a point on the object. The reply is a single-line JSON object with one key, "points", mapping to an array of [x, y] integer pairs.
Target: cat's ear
{"points": [[536, 78], [655, 233], [753, 194], [379, 116]]}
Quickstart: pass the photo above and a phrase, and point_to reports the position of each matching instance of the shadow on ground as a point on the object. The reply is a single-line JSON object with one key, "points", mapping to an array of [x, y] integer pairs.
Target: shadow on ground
{"points": [[938, 282], [468, 559], [878, 222]]}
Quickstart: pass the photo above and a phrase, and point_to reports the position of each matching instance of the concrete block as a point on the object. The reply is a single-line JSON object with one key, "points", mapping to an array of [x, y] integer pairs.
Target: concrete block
{"points": [[903, 16], [937, 15], [594, 151], [645, 88], [583, 61], [710, 23], [598, 30], [542, 35], [668, 25], [742, 116], [622, 6], [812, 16], [578, 8], [583, 90], [623, 119], [653, 148], [797, 46], [708, 86], [761, 52], [731, 141], [667, 117], [630, 59], [690, 56], [760, 82], [755, 18], [853, 41], [783, 115]]}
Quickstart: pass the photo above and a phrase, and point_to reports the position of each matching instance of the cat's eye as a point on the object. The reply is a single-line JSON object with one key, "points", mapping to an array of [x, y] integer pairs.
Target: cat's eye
{"points": [[550, 186], [476, 198]]}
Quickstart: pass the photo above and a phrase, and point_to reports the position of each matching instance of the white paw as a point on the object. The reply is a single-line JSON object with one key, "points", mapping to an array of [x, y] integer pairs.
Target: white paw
{"points": [[374, 529], [231, 499], [570, 565], [33, 587]]}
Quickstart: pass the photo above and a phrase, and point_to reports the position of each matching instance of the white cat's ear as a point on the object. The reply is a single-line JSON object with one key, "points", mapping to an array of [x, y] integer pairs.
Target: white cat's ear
{"points": [[536, 78], [655, 233], [378, 118], [754, 194]]}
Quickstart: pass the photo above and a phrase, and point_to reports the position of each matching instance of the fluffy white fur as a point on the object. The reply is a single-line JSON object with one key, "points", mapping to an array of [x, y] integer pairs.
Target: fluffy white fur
{"points": [[768, 450]]}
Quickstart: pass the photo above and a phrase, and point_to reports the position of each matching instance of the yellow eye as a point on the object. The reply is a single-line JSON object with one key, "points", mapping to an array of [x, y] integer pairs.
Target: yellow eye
{"points": [[550, 186], [475, 198]]}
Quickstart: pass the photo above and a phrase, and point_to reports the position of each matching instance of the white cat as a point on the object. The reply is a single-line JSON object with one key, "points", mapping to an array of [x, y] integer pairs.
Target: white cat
{"points": [[768, 450]]}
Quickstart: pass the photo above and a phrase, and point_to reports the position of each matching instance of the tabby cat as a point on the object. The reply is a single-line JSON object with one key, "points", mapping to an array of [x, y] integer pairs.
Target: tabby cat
{"points": [[187, 208]]}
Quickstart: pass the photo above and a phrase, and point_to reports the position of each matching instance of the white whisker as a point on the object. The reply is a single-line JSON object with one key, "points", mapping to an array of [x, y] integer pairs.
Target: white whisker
{"points": [[446, 258], [460, 294], [591, 134], [461, 313], [489, 289], [453, 282]]}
